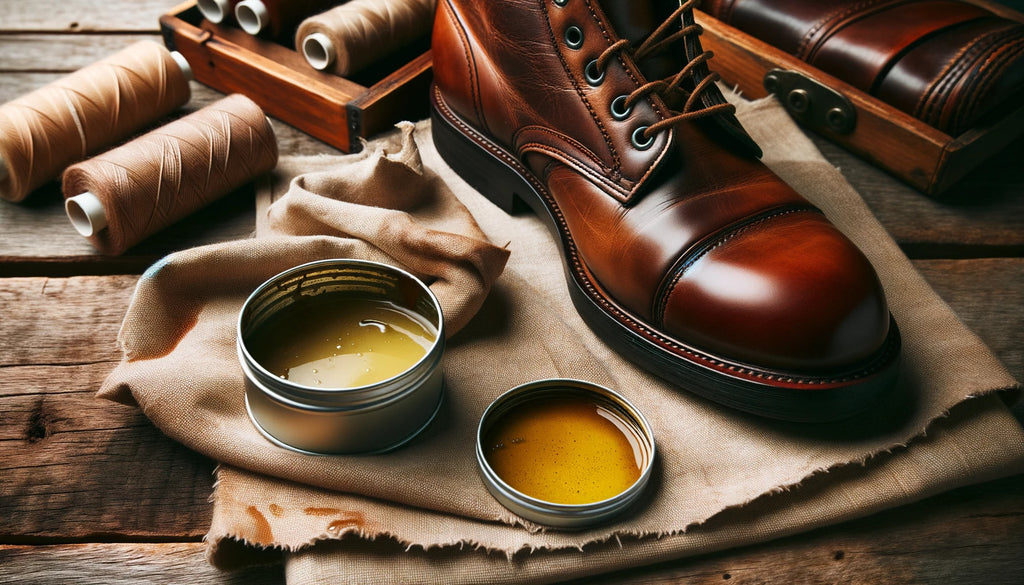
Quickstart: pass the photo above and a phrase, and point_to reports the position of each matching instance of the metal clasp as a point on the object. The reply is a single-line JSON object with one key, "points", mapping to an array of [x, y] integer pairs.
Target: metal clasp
{"points": [[810, 102]]}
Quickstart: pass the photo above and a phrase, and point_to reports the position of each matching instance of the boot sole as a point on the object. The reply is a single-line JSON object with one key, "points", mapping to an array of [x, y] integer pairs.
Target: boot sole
{"points": [[791, 396]]}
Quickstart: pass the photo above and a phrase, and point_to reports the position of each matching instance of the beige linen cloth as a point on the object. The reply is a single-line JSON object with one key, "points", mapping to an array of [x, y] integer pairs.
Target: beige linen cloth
{"points": [[421, 513]]}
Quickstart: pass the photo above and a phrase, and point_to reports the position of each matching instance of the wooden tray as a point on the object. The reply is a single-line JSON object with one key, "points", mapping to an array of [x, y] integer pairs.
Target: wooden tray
{"points": [[927, 159], [336, 110]]}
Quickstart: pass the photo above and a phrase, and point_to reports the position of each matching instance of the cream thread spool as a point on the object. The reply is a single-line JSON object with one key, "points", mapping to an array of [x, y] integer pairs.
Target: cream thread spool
{"points": [[354, 35], [124, 195], [46, 130]]}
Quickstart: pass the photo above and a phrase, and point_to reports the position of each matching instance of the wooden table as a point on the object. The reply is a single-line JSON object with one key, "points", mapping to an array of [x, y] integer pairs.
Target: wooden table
{"points": [[91, 492]]}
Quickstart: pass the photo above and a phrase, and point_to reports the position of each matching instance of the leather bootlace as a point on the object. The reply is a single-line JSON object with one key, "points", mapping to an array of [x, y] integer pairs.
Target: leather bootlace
{"points": [[655, 43]]}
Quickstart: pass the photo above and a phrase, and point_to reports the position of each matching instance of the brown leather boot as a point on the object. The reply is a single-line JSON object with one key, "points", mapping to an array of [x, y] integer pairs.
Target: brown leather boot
{"points": [[682, 251]]}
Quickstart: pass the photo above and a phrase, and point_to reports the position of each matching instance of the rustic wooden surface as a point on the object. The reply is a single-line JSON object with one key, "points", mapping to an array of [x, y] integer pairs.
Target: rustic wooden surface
{"points": [[91, 492]]}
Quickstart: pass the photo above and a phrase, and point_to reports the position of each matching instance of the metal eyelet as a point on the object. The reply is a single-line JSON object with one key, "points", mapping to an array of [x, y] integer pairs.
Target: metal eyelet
{"points": [[561, 2], [619, 109], [640, 142], [574, 37], [592, 74]]}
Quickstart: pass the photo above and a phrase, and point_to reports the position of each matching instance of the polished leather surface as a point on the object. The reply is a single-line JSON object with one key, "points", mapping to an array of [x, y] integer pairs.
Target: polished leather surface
{"points": [[946, 62], [692, 237]]}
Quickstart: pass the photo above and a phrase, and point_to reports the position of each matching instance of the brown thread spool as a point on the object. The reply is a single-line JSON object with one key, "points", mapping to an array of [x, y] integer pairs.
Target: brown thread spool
{"points": [[278, 19], [217, 11], [120, 197], [46, 130], [347, 38]]}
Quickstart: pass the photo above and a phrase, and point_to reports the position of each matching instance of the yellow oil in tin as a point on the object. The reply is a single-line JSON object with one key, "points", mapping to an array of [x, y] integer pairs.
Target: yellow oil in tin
{"points": [[329, 341], [565, 450]]}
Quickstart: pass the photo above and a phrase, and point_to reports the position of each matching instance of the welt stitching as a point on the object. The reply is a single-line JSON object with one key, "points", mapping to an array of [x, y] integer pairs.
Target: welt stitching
{"points": [[576, 86], [933, 99], [470, 62], [1005, 55], [827, 19]]}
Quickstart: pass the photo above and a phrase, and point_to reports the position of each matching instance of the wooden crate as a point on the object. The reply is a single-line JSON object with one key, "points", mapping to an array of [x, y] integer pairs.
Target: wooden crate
{"points": [[333, 109], [927, 159]]}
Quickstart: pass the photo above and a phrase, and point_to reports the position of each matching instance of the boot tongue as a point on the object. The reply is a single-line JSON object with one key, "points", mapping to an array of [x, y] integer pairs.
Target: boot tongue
{"points": [[634, 20]]}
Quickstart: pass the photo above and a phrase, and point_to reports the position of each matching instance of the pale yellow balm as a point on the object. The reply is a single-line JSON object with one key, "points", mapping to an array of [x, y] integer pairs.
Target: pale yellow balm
{"points": [[565, 450], [329, 341]]}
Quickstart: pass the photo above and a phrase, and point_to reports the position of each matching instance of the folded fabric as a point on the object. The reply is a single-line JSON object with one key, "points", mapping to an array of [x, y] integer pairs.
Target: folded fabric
{"points": [[181, 369]]}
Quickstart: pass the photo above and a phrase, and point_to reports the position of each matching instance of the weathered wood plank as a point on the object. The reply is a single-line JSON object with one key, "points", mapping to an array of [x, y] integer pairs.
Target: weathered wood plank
{"points": [[983, 215], [988, 296], [75, 16], [61, 321], [969, 535], [73, 466], [122, 564], [39, 52]]}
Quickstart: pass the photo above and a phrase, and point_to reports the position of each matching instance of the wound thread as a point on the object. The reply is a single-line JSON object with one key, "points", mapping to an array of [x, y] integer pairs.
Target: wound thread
{"points": [[44, 131], [157, 179], [350, 37]]}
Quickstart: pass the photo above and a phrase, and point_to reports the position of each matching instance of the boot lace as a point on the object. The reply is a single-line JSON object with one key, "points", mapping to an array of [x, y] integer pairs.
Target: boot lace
{"points": [[656, 42]]}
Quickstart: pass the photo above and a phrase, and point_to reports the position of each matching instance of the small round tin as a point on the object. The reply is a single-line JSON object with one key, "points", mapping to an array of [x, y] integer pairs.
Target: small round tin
{"points": [[369, 418], [564, 453]]}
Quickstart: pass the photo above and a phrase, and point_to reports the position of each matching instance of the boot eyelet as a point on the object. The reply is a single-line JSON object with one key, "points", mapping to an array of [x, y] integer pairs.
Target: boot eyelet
{"points": [[619, 109], [640, 142], [561, 2], [593, 74], [574, 37]]}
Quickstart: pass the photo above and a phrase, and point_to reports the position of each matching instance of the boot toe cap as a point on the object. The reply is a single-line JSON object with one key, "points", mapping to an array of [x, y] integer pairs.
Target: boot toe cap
{"points": [[793, 294]]}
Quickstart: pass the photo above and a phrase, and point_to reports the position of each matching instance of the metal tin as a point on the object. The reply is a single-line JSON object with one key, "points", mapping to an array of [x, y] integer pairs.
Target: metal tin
{"points": [[367, 419], [572, 516]]}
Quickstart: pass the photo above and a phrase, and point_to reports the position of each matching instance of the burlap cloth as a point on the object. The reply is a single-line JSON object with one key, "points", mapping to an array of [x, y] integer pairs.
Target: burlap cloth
{"points": [[421, 513]]}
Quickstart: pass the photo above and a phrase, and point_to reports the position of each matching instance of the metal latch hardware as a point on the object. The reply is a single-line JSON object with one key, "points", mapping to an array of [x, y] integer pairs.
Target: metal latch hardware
{"points": [[810, 102]]}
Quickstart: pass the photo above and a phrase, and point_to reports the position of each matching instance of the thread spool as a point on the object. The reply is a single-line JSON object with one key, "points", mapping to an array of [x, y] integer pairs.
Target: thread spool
{"points": [[217, 11], [126, 194], [349, 37], [44, 131], [278, 19]]}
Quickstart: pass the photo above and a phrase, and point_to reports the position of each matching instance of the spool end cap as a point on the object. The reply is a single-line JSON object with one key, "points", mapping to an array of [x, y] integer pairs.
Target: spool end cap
{"points": [[213, 10], [252, 16], [186, 69], [86, 213], [318, 50]]}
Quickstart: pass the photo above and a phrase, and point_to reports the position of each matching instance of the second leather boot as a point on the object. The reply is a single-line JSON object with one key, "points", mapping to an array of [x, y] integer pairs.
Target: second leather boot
{"points": [[682, 250]]}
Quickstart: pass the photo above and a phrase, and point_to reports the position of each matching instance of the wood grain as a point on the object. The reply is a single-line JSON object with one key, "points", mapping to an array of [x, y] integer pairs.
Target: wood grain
{"points": [[91, 492], [109, 16], [982, 216], [122, 564]]}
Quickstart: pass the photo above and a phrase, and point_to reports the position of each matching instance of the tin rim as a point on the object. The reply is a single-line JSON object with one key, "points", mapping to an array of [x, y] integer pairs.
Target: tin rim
{"points": [[553, 513], [355, 397]]}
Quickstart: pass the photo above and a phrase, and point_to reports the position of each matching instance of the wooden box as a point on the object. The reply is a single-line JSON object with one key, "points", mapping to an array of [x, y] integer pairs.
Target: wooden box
{"points": [[333, 109], [927, 159]]}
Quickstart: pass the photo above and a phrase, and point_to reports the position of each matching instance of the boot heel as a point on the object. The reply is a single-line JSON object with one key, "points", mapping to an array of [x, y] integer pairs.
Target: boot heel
{"points": [[474, 162]]}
